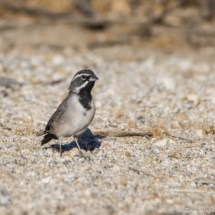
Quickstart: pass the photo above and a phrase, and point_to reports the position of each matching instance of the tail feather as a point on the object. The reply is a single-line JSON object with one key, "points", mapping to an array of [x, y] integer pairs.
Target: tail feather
{"points": [[47, 138], [38, 135]]}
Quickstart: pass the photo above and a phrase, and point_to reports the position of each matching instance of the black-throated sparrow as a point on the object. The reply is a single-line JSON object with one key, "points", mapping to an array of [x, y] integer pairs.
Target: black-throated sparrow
{"points": [[75, 113]]}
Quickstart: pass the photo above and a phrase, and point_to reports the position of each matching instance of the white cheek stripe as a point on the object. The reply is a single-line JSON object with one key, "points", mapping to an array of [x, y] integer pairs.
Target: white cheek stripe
{"points": [[77, 90], [77, 76]]}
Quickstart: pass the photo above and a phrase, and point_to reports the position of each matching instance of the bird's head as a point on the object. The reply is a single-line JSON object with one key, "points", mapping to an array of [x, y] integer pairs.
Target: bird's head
{"points": [[83, 80]]}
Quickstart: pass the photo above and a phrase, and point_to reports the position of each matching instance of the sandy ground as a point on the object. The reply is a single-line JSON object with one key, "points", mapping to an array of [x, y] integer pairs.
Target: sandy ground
{"points": [[168, 90]]}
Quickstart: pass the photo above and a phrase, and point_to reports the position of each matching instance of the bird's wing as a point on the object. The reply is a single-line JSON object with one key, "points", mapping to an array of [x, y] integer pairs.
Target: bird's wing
{"points": [[56, 115]]}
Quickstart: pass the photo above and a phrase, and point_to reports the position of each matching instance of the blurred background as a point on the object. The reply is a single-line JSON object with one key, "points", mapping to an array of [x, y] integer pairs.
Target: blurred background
{"points": [[94, 24]]}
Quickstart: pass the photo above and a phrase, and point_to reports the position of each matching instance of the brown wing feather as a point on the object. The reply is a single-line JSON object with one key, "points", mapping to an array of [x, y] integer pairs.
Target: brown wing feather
{"points": [[48, 136], [60, 110]]}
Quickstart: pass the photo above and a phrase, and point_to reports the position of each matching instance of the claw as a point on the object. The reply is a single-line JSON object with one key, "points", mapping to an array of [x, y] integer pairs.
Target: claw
{"points": [[81, 155]]}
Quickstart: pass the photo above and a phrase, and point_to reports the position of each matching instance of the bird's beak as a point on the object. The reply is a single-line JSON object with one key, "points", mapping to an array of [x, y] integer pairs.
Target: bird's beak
{"points": [[94, 78]]}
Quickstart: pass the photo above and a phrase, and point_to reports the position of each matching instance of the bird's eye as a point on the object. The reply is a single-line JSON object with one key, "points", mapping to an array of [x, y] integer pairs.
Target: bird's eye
{"points": [[84, 77]]}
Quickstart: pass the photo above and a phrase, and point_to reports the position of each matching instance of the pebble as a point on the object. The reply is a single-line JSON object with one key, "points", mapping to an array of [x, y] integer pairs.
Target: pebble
{"points": [[73, 152], [46, 180], [160, 143]]}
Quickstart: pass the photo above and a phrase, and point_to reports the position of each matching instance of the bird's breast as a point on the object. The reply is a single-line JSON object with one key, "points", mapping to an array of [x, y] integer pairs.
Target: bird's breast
{"points": [[77, 117]]}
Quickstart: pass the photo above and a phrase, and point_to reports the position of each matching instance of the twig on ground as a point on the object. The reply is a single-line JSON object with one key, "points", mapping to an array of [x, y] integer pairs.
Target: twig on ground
{"points": [[10, 83], [145, 173], [120, 133], [53, 82], [186, 191], [204, 181], [179, 137]]}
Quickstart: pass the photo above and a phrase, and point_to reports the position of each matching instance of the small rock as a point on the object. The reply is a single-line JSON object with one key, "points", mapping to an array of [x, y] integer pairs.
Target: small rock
{"points": [[110, 92], [159, 142], [193, 184], [74, 152], [169, 83], [27, 152], [116, 168], [193, 98], [45, 180], [199, 133], [58, 59], [127, 153], [170, 201], [17, 148], [132, 124], [67, 157], [171, 141], [65, 162], [141, 119], [98, 104]]}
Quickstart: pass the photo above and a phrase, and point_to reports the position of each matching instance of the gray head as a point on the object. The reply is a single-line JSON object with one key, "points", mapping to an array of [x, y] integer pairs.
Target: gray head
{"points": [[83, 80]]}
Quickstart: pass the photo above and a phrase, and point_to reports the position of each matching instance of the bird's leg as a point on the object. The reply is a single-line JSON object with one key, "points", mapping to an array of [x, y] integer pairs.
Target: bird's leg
{"points": [[60, 145], [81, 154]]}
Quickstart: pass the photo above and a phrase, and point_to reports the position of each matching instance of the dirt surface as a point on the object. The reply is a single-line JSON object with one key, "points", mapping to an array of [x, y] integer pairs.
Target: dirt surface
{"points": [[162, 85]]}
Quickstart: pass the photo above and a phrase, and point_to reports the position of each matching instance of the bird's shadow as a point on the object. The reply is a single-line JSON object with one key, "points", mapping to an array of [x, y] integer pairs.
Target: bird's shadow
{"points": [[87, 141]]}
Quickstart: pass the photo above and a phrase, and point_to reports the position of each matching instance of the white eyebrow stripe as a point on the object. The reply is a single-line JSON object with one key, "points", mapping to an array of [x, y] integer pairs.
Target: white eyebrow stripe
{"points": [[77, 76]]}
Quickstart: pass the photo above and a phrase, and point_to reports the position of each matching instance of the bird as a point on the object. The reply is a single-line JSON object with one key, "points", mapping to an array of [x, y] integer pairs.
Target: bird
{"points": [[75, 113]]}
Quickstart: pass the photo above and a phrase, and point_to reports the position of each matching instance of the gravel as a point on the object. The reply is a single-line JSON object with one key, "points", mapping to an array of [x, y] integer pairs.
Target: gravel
{"points": [[147, 90]]}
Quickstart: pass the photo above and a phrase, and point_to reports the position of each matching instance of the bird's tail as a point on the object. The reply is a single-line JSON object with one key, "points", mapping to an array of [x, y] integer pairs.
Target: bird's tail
{"points": [[38, 135], [47, 138]]}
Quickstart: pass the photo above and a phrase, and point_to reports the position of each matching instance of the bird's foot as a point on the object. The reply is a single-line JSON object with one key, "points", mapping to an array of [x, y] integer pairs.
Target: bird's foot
{"points": [[81, 155]]}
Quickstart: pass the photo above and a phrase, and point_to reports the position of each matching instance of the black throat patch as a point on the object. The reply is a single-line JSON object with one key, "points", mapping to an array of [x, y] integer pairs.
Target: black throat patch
{"points": [[85, 96]]}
